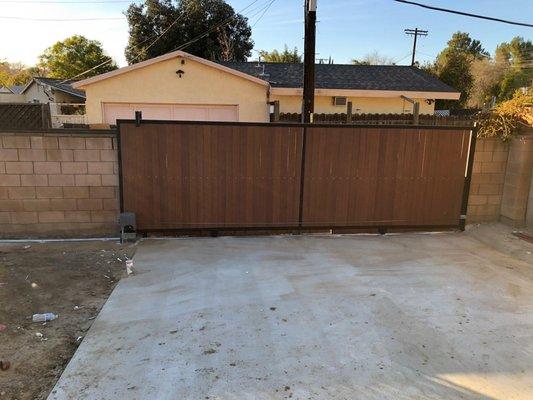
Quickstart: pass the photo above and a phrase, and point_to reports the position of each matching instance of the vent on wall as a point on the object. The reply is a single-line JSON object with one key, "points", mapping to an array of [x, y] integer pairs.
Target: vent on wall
{"points": [[339, 101]]}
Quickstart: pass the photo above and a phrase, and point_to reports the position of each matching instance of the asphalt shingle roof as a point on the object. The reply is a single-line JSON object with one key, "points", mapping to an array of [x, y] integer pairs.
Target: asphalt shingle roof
{"points": [[345, 76], [64, 87], [17, 89]]}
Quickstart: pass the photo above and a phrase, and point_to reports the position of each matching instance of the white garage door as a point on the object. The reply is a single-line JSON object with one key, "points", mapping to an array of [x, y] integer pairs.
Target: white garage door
{"points": [[175, 112]]}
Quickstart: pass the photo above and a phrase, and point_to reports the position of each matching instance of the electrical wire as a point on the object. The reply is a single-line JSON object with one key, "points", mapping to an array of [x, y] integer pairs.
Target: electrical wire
{"points": [[223, 23], [159, 37], [61, 19], [65, 2], [465, 13], [263, 14], [403, 58], [135, 58]]}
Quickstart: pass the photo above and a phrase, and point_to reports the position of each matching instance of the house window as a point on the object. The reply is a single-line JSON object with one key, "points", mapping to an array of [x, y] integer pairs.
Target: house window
{"points": [[340, 101]]}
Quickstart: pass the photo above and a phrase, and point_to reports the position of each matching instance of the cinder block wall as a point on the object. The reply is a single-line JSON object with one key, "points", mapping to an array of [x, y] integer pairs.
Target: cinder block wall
{"points": [[517, 185], [66, 184], [54, 184], [488, 176]]}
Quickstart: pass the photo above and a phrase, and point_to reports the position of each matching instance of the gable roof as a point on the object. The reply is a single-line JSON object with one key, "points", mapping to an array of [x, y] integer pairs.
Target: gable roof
{"points": [[57, 84], [165, 57], [393, 78], [345, 76], [17, 89]]}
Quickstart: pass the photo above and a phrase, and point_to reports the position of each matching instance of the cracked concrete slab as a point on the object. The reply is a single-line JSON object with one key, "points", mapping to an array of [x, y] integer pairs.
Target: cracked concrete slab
{"points": [[442, 316]]}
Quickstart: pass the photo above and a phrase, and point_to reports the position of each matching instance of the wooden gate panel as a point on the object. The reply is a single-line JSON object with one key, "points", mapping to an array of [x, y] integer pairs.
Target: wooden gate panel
{"points": [[190, 176], [383, 177]]}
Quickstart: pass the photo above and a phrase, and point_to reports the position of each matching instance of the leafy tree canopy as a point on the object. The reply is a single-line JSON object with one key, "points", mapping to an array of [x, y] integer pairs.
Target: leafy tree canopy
{"points": [[505, 117], [75, 55], [463, 43], [453, 66], [15, 74], [497, 79], [222, 34], [516, 52], [285, 56]]}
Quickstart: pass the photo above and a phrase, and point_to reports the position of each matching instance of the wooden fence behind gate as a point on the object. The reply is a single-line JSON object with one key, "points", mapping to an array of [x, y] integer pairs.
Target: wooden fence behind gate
{"points": [[24, 116], [208, 175]]}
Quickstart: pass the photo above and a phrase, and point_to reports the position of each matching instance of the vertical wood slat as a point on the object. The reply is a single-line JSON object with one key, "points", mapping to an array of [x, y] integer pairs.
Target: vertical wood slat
{"points": [[194, 176], [387, 177]]}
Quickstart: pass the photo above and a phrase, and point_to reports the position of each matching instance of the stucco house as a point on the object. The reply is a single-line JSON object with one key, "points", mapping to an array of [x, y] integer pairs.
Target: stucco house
{"points": [[11, 95], [180, 86], [50, 90], [43, 90]]}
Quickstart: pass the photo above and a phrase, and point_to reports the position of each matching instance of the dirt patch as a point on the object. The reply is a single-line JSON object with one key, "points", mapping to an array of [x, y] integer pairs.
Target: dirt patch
{"points": [[72, 279]]}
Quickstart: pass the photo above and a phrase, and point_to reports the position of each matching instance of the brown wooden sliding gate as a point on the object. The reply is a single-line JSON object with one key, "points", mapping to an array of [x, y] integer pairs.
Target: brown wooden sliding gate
{"points": [[190, 175]]}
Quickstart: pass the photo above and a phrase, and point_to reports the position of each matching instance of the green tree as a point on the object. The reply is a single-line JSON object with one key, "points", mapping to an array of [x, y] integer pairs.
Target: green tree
{"points": [[487, 75], [285, 56], [516, 56], [15, 74], [210, 28], [454, 70], [75, 55], [453, 67], [462, 42], [499, 77]]}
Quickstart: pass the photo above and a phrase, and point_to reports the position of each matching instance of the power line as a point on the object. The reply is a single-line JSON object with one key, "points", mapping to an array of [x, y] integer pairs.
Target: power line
{"points": [[62, 19], [136, 57], [415, 33], [263, 14], [465, 13], [65, 2], [403, 58], [159, 37], [225, 22]]}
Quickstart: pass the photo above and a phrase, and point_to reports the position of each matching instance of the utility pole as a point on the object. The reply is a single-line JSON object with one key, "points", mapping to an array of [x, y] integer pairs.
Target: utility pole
{"points": [[308, 103], [415, 32]]}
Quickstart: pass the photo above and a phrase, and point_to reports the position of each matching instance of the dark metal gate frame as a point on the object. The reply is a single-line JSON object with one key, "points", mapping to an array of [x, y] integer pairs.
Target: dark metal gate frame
{"points": [[381, 229]]}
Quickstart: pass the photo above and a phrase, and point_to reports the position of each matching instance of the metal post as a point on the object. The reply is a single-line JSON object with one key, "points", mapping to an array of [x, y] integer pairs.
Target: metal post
{"points": [[302, 179], [416, 113], [468, 177], [349, 112], [275, 104], [309, 61]]}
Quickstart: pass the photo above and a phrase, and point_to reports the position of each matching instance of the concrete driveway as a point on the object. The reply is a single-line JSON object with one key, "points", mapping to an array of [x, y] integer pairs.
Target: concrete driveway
{"points": [[442, 316]]}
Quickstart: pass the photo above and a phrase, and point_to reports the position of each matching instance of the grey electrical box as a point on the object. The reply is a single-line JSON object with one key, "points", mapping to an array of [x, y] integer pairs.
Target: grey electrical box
{"points": [[128, 226]]}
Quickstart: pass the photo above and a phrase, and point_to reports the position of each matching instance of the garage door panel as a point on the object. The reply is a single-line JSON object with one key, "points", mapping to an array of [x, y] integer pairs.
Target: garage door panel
{"points": [[228, 114], [154, 112], [180, 113], [112, 112]]}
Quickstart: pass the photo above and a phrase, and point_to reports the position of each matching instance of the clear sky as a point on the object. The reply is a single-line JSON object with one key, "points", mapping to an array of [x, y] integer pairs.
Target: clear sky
{"points": [[346, 28]]}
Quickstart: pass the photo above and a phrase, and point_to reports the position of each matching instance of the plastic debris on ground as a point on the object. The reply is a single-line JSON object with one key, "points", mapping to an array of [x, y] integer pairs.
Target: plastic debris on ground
{"points": [[44, 317], [129, 267]]}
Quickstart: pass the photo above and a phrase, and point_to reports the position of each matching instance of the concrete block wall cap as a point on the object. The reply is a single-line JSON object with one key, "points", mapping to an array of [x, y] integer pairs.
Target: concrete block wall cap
{"points": [[61, 132]]}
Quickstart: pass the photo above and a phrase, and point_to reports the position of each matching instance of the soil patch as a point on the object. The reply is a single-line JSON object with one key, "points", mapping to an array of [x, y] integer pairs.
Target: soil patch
{"points": [[71, 279]]}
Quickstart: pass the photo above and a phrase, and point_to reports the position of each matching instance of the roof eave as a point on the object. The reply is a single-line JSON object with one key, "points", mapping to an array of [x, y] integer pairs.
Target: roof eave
{"points": [[80, 96], [283, 91]]}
